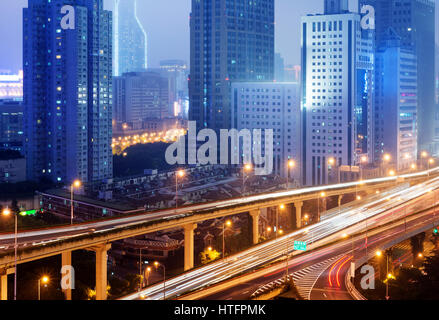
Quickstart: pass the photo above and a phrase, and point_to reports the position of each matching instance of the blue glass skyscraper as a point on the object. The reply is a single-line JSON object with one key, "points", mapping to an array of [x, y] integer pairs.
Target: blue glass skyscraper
{"points": [[231, 40], [68, 91], [130, 40]]}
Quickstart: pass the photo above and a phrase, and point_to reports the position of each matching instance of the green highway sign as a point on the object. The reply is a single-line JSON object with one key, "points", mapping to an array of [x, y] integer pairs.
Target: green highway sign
{"points": [[300, 245]]}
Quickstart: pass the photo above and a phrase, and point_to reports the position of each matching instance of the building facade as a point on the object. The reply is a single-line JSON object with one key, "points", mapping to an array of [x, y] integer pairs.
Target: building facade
{"points": [[139, 96], [337, 92], [68, 92], [130, 39], [396, 105], [11, 86], [231, 40], [271, 106], [414, 22], [11, 125]]}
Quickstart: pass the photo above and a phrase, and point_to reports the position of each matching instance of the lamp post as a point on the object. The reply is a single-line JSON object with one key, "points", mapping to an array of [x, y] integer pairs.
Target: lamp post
{"points": [[362, 160], [227, 223], [178, 174], [386, 159], [321, 195], [157, 264], [75, 184], [247, 168], [6, 212], [281, 207], [424, 155], [291, 165], [430, 162], [148, 270], [44, 280]]}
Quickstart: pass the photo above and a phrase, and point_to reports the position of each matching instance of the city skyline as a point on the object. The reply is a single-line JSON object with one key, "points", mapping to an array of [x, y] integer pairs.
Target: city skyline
{"points": [[287, 40]]}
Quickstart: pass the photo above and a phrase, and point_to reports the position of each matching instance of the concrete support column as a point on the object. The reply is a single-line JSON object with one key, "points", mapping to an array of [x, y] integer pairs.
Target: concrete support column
{"points": [[298, 205], [189, 246], [101, 270], [66, 260], [4, 287], [255, 225], [4, 283]]}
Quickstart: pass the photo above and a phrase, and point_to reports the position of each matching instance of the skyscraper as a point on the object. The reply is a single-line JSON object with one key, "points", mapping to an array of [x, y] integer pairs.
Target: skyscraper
{"points": [[414, 22], [396, 103], [68, 91], [130, 40], [337, 96], [279, 68], [231, 40], [140, 96]]}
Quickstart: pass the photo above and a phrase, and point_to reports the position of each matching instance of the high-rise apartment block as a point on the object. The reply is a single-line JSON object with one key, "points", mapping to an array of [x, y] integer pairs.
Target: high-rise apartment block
{"points": [[273, 106], [396, 104], [231, 40], [414, 22], [68, 91], [140, 96]]}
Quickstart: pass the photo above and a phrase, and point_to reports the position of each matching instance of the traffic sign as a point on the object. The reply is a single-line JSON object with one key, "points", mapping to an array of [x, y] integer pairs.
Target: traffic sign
{"points": [[300, 245]]}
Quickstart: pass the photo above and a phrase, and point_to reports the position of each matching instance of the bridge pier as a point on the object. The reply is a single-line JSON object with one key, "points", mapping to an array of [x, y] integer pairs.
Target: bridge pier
{"points": [[4, 283], [255, 224], [298, 205], [189, 246], [101, 270], [340, 198], [66, 260]]}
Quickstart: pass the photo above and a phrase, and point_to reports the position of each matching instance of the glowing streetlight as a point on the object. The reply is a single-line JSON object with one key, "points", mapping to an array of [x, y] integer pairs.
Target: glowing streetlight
{"points": [[392, 173], [247, 168], [291, 165], [179, 174], [43, 280], [379, 253], [387, 157], [7, 212], [75, 184], [157, 264], [227, 223]]}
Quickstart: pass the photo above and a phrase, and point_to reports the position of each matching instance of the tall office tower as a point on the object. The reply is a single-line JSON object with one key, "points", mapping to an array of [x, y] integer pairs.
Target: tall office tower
{"points": [[396, 103], [68, 91], [437, 74], [178, 73], [337, 73], [279, 68], [414, 22], [130, 40], [140, 96], [272, 105], [336, 6], [231, 40]]}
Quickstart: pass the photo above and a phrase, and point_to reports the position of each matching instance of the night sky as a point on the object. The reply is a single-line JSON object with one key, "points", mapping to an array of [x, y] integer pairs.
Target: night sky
{"points": [[167, 25]]}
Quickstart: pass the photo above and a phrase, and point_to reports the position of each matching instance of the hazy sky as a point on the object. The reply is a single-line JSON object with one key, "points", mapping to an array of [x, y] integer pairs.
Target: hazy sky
{"points": [[167, 25]]}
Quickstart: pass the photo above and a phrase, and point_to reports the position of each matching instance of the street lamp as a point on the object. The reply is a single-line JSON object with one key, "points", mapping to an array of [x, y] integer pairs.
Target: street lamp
{"points": [[43, 280], [75, 184], [281, 207], [179, 174], [226, 223], [430, 162], [247, 168], [321, 195], [363, 159], [148, 272], [291, 165], [157, 264], [6, 212]]}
